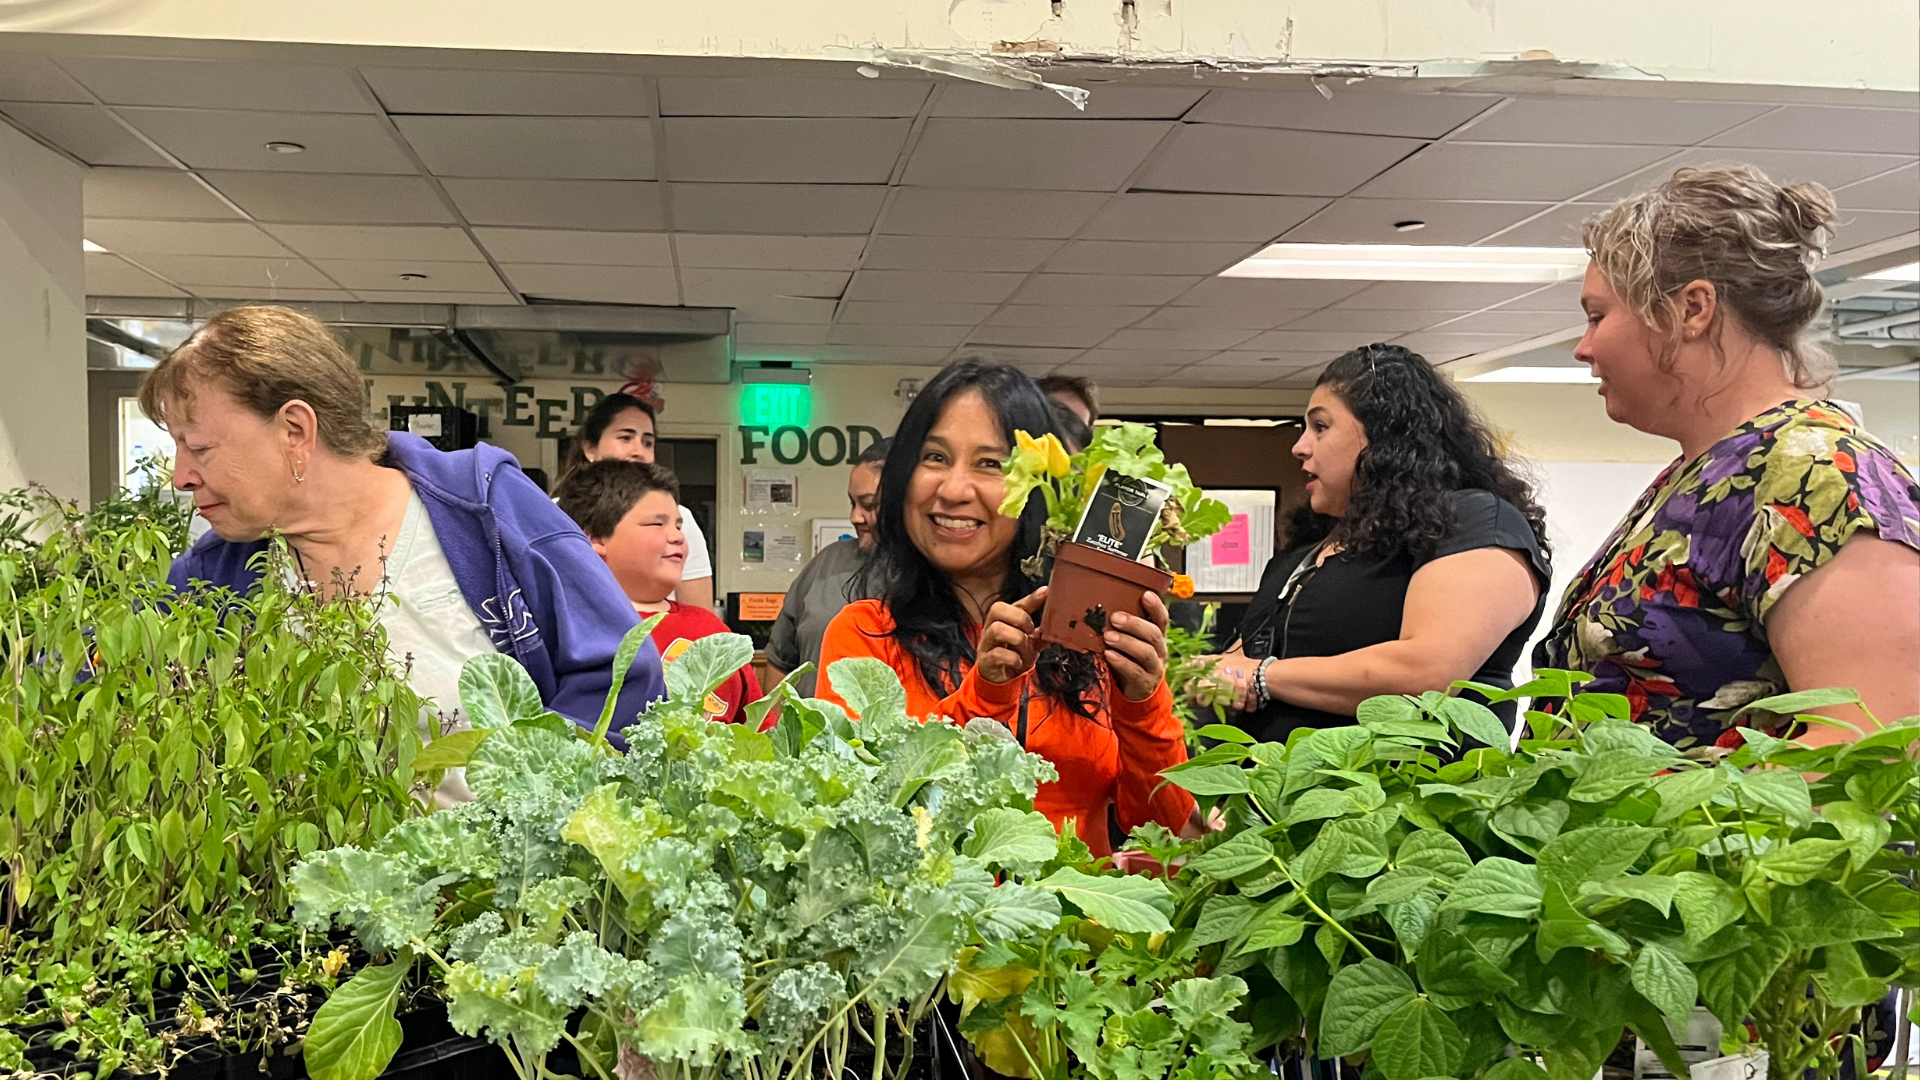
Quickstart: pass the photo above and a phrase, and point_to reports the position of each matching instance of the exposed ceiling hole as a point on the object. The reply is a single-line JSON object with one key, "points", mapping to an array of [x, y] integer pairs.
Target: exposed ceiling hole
{"points": [[285, 147]]}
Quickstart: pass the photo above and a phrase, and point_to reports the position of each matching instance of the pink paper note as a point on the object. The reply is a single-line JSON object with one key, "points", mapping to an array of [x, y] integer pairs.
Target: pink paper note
{"points": [[1231, 546]]}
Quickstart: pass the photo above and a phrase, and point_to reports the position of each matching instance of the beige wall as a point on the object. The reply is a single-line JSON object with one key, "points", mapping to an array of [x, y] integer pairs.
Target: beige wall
{"points": [[43, 351]]}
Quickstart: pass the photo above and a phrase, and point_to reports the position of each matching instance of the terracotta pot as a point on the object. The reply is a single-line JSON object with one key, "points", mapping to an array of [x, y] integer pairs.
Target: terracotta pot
{"points": [[1088, 587]]}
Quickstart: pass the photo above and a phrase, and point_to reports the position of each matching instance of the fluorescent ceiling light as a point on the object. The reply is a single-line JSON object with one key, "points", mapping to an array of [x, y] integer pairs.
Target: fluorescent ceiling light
{"points": [[1535, 375], [1413, 262], [1909, 272], [88, 245]]}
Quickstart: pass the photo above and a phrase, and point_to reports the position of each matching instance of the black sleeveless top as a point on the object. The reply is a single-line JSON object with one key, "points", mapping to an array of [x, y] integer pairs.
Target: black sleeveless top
{"points": [[1353, 601]]}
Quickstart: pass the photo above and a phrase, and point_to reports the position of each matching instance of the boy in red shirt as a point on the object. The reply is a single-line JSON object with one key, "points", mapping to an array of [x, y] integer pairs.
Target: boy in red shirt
{"points": [[630, 510]]}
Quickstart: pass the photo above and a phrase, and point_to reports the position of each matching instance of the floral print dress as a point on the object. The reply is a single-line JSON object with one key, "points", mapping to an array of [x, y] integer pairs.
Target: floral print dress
{"points": [[1672, 610]]}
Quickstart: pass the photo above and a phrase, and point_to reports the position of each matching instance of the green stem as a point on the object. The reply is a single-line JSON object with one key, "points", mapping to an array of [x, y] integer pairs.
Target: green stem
{"points": [[1328, 919]]}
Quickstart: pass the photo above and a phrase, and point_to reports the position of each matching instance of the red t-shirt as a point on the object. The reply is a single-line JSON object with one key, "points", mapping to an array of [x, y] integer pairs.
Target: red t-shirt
{"points": [[692, 623]]}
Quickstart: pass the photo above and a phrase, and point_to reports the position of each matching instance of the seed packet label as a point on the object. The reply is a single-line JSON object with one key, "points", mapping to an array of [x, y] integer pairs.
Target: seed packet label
{"points": [[1120, 515]]}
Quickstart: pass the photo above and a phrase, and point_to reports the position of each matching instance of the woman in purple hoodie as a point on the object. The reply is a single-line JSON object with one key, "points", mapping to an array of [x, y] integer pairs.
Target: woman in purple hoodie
{"points": [[271, 434]]}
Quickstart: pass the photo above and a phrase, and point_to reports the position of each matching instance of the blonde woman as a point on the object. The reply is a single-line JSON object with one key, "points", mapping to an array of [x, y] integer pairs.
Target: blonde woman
{"points": [[1781, 549]]}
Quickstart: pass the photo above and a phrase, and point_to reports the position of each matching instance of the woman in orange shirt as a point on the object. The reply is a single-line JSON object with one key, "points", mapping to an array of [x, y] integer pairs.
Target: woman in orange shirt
{"points": [[958, 617]]}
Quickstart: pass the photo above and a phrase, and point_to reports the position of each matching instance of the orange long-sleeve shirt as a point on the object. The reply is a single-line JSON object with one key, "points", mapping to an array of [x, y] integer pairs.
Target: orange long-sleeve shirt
{"points": [[1113, 760]]}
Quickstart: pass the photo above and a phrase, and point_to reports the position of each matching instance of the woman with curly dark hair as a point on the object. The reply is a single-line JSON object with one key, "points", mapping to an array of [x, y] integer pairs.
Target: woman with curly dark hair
{"points": [[1420, 557]]}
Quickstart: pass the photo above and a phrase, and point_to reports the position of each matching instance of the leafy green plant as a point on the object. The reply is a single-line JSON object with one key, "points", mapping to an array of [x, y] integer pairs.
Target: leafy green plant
{"points": [[1190, 660], [716, 900], [164, 761], [1507, 913], [1066, 482]]}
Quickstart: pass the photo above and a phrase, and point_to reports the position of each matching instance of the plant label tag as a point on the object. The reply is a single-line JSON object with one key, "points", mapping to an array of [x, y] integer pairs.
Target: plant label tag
{"points": [[1121, 514]]}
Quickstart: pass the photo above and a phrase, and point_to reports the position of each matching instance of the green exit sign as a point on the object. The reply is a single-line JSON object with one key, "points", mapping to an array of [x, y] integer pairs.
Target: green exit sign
{"points": [[776, 404]]}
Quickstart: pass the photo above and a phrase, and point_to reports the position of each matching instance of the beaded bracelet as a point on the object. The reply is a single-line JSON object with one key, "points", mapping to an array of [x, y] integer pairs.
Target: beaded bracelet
{"points": [[1261, 693]]}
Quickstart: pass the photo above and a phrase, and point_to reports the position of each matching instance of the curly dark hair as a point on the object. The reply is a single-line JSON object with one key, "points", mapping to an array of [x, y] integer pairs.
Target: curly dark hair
{"points": [[1424, 442]]}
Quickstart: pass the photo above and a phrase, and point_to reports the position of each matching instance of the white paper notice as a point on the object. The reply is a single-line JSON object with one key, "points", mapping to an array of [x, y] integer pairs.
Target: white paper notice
{"points": [[783, 545], [1232, 560], [771, 491]]}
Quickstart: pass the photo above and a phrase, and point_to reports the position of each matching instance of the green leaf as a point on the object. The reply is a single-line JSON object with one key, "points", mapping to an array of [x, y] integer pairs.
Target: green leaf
{"points": [[1400, 716], [1018, 840], [1209, 780], [354, 1034], [1682, 791], [1730, 985], [1014, 910], [713, 660], [871, 689], [1538, 821], [1864, 831], [1317, 803], [1221, 919], [1398, 885], [1596, 853], [1515, 1068], [1819, 913], [1351, 847], [1128, 904], [1844, 982], [1562, 926], [1272, 929], [1418, 1041], [1801, 701], [630, 645], [449, 751], [1655, 890], [1707, 904], [1360, 997], [495, 691], [1782, 791], [1243, 853], [1497, 886], [1436, 850], [696, 1020], [1477, 722], [1225, 733], [1606, 776], [1801, 861], [1664, 981]]}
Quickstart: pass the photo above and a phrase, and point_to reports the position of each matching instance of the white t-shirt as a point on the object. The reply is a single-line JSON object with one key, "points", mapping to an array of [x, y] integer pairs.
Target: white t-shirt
{"points": [[429, 621]]}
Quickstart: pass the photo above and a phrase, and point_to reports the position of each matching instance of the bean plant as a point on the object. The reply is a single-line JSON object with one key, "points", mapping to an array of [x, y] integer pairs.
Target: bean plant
{"points": [[164, 761]]}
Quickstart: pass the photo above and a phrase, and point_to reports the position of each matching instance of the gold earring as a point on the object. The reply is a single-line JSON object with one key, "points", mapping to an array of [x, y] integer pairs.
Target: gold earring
{"points": [[297, 478]]}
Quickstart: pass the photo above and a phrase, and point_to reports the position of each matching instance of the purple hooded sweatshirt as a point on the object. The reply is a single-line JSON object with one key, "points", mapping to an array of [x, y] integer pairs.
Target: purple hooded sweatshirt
{"points": [[527, 571]]}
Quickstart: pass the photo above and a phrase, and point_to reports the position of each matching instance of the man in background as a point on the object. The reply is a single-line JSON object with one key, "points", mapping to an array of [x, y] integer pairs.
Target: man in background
{"points": [[822, 587], [1077, 394]]}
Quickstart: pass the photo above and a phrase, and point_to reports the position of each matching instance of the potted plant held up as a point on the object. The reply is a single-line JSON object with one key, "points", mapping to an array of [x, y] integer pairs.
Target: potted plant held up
{"points": [[1111, 510]]}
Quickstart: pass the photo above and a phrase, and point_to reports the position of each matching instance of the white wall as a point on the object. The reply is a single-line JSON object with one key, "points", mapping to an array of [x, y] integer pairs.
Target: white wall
{"points": [[43, 349]]}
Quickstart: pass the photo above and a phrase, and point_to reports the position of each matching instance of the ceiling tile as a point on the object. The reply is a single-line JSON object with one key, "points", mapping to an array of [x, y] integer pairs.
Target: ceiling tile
{"points": [[437, 243], [1260, 161], [1281, 293], [86, 132], [1113, 376], [1630, 121], [881, 354], [788, 151], [785, 309], [1302, 379], [1106, 102], [1276, 361], [769, 252], [1371, 221], [867, 334], [621, 205], [1154, 360], [507, 93], [544, 147], [278, 295], [1034, 360], [1072, 155], [149, 193], [958, 253], [216, 139], [1212, 375], [1388, 112], [1866, 226], [956, 212], [1819, 127], [1561, 296], [602, 284], [577, 247], [110, 275], [924, 286], [1897, 190], [1219, 318], [1156, 215], [844, 95], [1435, 295], [1147, 257], [726, 288], [1558, 227], [1781, 166], [773, 209], [218, 84], [1374, 325], [234, 272], [1119, 289], [1063, 337], [1460, 170], [780, 333], [1440, 348], [1196, 338], [935, 314], [332, 199], [384, 296], [1093, 315], [134, 237], [1502, 321], [26, 77], [384, 274], [1325, 344]]}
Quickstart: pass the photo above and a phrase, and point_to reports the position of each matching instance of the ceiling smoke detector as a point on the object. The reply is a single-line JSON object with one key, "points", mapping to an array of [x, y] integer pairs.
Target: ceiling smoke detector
{"points": [[286, 147], [1409, 226]]}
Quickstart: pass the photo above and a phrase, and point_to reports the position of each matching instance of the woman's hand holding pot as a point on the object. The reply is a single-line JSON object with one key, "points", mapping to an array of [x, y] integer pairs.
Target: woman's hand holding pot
{"points": [[1137, 649], [1010, 641]]}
